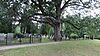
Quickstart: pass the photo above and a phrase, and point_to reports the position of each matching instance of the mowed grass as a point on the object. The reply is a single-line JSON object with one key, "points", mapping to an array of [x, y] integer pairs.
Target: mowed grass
{"points": [[64, 48]]}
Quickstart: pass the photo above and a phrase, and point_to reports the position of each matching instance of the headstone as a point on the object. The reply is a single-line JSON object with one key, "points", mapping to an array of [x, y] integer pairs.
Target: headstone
{"points": [[30, 35], [10, 36], [39, 36], [2, 37], [35, 36], [26, 35]]}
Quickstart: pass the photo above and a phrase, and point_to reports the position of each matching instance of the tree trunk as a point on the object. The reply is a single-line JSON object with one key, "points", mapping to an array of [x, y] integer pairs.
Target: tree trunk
{"points": [[28, 29], [57, 33]]}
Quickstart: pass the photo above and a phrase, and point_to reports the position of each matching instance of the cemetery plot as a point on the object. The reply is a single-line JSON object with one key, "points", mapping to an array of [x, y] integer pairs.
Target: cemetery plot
{"points": [[2, 39], [37, 38], [11, 39]]}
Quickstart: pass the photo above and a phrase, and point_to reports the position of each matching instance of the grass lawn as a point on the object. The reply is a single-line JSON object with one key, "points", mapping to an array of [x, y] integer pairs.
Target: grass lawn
{"points": [[65, 48]]}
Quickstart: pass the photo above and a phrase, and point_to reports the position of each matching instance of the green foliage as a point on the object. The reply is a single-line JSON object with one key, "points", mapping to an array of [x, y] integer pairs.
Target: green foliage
{"points": [[73, 35], [45, 29], [5, 25], [18, 30], [34, 29], [87, 25]]}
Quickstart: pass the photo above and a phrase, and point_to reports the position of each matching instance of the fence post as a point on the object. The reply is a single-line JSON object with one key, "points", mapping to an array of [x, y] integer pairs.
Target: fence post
{"points": [[6, 40], [30, 39]]}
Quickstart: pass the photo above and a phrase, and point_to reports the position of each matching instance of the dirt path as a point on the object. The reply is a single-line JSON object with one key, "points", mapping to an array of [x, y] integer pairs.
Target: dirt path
{"points": [[25, 45]]}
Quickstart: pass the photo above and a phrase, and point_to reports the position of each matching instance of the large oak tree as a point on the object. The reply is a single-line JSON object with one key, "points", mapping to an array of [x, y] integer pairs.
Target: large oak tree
{"points": [[52, 10]]}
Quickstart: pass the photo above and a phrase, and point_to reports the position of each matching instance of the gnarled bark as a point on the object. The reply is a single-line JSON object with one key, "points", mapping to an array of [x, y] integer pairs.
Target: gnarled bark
{"points": [[57, 33]]}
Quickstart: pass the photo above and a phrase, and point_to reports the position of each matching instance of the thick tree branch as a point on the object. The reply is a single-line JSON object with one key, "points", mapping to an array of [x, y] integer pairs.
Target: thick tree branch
{"points": [[84, 5], [81, 2], [73, 4], [64, 6], [51, 15], [41, 21], [37, 14], [71, 24], [46, 17], [40, 6], [42, 10], [58, 11]]}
